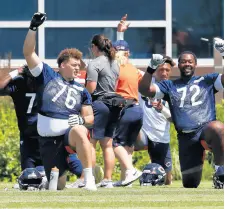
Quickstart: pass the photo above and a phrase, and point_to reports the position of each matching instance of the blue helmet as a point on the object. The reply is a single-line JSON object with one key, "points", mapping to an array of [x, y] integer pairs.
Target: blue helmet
{"points": [[30, 177], [218, 178], [153, 174], [41, 170]]}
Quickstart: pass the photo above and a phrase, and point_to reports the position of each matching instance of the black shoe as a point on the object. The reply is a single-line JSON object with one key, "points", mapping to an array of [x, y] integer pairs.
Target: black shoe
{"points": [[218, 178]]}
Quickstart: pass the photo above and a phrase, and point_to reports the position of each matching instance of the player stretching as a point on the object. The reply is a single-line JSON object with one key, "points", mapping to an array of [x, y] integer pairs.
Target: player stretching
{"points": [[61, 98], [192, 104]]}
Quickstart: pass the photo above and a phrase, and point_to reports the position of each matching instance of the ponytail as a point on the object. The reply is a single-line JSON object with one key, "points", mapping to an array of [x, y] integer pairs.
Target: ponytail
{"points": [[104, 45], [109, 50]]}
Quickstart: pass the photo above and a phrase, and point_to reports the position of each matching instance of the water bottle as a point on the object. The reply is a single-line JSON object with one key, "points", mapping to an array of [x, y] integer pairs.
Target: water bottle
{"points": [[54, 175]]}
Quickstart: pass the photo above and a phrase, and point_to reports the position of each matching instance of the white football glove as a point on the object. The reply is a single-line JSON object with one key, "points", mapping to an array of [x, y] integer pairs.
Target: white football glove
{"points": [[219, 45], [75, 120], [156, 60]]}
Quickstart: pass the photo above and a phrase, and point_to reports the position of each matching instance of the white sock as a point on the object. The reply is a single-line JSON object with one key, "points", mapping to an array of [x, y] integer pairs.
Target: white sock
{"points": [[93, 171], [88, 175]]}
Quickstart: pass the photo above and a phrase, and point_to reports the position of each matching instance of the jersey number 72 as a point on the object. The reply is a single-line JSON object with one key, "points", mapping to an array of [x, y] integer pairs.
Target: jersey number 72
{"points": [[193, 97]]}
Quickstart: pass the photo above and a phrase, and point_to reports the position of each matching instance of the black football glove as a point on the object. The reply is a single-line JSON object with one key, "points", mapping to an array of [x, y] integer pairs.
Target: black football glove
{"points": [[37, 19]]}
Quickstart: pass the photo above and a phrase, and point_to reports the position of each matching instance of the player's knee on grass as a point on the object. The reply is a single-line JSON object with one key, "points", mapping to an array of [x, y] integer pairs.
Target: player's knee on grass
{"points": [[191, 180]]}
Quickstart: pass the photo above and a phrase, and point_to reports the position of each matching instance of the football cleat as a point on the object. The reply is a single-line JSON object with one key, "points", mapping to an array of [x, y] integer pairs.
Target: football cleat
{"points": [[218, 178]]}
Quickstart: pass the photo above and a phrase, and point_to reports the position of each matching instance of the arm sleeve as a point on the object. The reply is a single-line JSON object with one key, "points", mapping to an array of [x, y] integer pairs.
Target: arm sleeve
{"points": [[215, 80], [119, 36], [218, 84], [166, 111], [36, 71], [92, 72]]}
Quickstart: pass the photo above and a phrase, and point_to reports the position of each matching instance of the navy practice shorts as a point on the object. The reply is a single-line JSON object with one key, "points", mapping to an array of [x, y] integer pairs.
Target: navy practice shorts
{"points": [[105, 120], [128, 126]]}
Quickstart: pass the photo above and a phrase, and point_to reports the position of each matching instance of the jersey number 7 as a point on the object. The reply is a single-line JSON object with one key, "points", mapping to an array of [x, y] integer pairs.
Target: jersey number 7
{"points": [[31, 103]]}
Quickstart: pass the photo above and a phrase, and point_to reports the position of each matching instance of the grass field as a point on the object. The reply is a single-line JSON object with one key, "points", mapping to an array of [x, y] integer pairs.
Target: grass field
{"points": [[204, 197]]}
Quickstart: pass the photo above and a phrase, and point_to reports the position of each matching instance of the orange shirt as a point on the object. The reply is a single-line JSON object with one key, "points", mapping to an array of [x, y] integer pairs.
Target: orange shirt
{"points": [[129, 78]]}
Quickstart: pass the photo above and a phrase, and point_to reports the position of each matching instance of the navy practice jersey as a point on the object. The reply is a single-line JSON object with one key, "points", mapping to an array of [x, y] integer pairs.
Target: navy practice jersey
{"points": [[23, 92], [58, 97], [192, 102]]}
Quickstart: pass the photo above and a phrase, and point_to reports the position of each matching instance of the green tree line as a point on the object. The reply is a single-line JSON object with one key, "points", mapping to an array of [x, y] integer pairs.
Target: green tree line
{"points": [[10, 155]]}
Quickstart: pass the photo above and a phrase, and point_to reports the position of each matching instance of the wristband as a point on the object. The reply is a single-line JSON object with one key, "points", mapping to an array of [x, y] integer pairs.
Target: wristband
{"points": [[150, 70], [33, 28], [14, 73], [166, 112], [120, 36]]}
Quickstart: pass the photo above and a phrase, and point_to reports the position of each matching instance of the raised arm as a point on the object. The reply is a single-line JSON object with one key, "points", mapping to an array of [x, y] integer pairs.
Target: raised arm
{"points": [[30, 40], [145, 87], [219, 46], [122, 27], [6, 77]]}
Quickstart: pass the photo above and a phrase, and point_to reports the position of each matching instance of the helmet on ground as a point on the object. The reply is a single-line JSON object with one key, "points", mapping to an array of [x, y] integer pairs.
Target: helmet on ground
{"points": [[153, 174], [30, 178], [41, 170]]}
